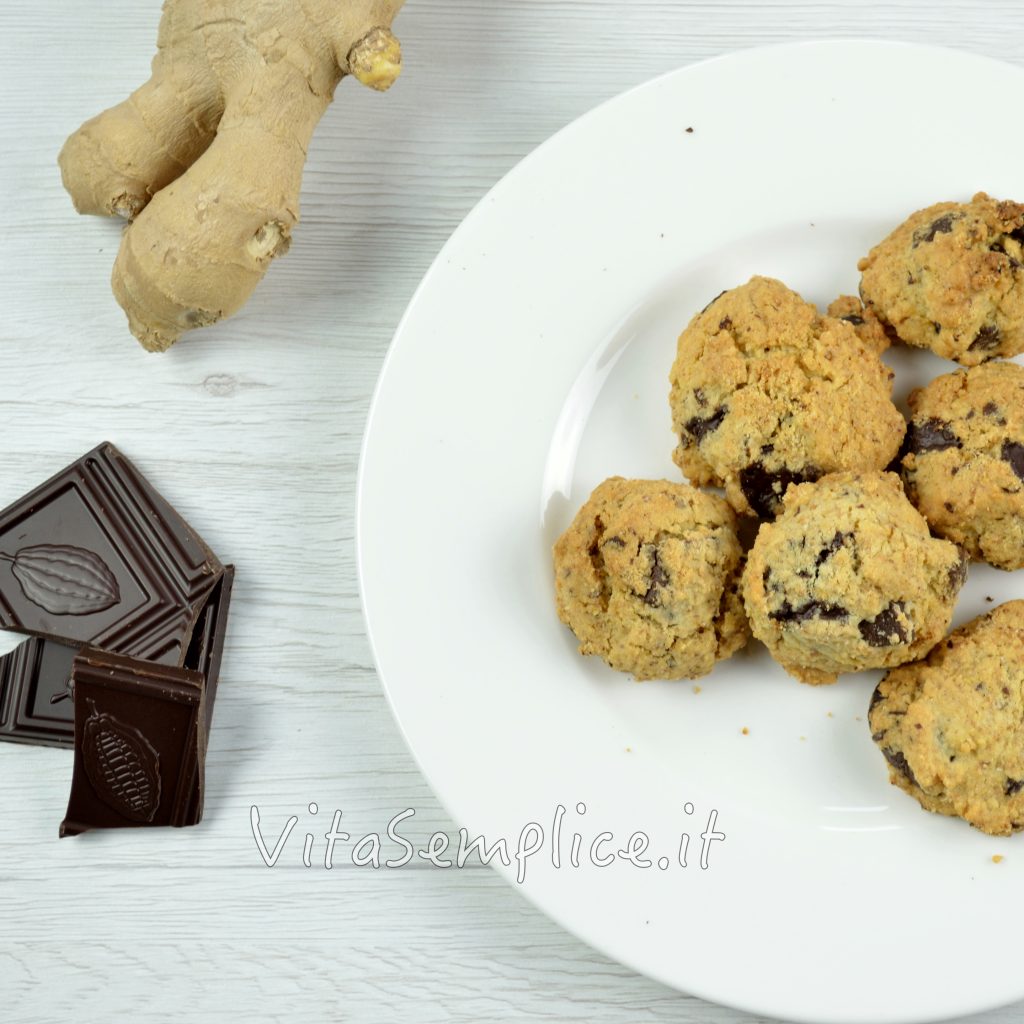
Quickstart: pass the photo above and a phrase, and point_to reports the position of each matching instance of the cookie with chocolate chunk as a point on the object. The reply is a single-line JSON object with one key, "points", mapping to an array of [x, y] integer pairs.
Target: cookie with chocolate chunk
{"points": [[647, 577], [849, 578], [964, 467], [951, 727], [951, 279], [876, 335], [766, 392]]}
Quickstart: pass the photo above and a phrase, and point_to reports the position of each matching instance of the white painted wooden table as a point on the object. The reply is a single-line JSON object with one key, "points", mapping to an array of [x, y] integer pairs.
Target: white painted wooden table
{"points": [[253, 429]]}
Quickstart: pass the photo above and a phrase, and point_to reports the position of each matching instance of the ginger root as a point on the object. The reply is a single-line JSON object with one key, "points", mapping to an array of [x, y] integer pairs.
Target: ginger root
{"points": [[205, 160]]}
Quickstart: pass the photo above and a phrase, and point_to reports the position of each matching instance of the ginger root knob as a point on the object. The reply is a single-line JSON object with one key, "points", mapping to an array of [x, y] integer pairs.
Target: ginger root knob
{"points": [[376, 60], [272, 240]]}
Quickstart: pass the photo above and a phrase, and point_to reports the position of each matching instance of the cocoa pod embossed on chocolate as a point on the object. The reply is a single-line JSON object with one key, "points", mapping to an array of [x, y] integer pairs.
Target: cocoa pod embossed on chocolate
{"points": [[64, 580], [122, 766]]}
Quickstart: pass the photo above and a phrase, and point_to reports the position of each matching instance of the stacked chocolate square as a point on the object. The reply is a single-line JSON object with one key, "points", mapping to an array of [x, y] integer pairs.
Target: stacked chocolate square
{"points": [[126, 609]]}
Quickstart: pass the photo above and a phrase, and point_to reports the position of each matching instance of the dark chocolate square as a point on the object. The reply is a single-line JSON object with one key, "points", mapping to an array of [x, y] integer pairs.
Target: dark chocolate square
{"points": [[96, 556], [139, 744]]}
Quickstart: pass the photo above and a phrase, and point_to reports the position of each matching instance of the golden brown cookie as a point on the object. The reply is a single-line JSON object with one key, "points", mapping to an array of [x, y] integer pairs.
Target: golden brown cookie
{"points": [[869, 328], [964, 467], [952, 726], [647, 577], [765, 392], [849, 578], [951, 279]]}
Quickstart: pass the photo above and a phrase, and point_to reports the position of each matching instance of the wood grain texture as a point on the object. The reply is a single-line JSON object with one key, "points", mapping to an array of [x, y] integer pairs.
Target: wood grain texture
{"points": [[253, 429]]}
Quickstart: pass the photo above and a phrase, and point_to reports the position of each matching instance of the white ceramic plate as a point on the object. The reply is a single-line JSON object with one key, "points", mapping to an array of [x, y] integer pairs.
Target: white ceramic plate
{"points": [[532, 364]]}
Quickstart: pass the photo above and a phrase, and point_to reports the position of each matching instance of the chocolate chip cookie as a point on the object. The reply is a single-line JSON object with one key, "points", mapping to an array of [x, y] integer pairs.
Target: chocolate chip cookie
{"points": [[647, 577], [766, 392], [849, 578], [964, 467], [951, 279], [952, 726]]}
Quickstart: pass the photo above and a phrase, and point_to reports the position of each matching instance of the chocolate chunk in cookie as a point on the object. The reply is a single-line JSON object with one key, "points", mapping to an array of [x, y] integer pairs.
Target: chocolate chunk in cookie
{"points": [[700, 426], [888, 628], [1013, 453], [872, 331], [764, 490], [940, 226], [931, 435]]}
